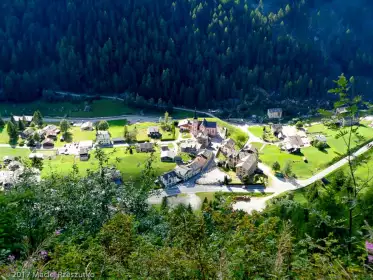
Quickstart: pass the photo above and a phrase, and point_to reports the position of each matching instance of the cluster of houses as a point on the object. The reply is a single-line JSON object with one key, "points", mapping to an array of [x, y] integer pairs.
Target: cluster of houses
{"points": [[12, 171], [47, 134], [184, 172], [202, 130], [244, 161]]}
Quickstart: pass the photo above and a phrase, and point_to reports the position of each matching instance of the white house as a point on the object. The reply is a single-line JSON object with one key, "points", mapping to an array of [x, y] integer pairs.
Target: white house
{"points": [[274, 113], [103, 138], [169, 179], [227, 146]]}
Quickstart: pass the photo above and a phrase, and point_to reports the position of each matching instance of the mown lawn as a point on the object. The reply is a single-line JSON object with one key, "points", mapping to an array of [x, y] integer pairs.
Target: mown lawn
{"points": [[257, 145], [99, 108], [317, 160], [24, 153], [256, 130], [129, 165], [337, 146], [234, 132]]}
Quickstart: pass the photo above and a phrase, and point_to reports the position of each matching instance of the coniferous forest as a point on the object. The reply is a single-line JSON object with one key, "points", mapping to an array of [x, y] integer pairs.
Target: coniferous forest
{"points": [[192, 52]]}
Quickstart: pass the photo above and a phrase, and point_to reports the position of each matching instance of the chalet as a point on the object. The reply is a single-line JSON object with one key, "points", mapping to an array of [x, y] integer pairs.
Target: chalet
{"points": [[277, 130], [274, 113], [27, 132], [52, 134], [86, 144], [207, 154], [47, 143], [87, 126], [247, 166], [251, 149], [227, 146], [145, 147], [168, 156], [184, 125], [153, 132], [203, 139], [83, 154], [293, 144], [190, 147], [103, 138], [169, 179], [185, 172], [321, 138], [118, 140], [235, 157], [50, 128]]}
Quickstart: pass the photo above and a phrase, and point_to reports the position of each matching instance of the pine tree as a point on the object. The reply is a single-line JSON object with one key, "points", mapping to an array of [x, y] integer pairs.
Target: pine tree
{"points": [[37, 118]]}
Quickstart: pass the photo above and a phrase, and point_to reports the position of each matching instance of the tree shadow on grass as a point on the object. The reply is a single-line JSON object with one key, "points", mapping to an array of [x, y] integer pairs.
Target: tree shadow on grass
{"points": [[68, 136]]}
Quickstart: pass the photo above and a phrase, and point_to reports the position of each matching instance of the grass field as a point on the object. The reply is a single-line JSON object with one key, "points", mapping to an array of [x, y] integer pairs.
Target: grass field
{"points": [[14, 152], [99, 108], [129, 165], [317, 160], [257, 145], [257, 131]]}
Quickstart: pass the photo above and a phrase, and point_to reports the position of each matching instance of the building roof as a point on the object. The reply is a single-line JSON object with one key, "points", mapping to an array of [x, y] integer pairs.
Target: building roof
{"points": [[184, 122], [169, 154], [48, 141], [274, 110], [207, 154], [188, 144], [146, 145], [182, 170], [29, 131], [153, 129], [197, 163], [83, 151], [251, 149], [20, 118], [102, 132], [208, 124], [228, 142], [86, 144], [169, 175], [119, 139], [247, 162], [295, 141], [320, 137], [86, 125], [50, 127], [202, 135]]}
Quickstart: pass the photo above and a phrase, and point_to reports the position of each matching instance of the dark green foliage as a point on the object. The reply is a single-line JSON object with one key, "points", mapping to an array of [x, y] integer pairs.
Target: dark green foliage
{"points": [[2, 123], [12, 131], [181, 52], [37, 118]]}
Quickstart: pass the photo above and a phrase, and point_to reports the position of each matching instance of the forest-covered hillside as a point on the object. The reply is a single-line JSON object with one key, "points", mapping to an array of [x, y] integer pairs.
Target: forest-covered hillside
{"points": [[187, 51]]}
